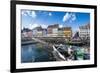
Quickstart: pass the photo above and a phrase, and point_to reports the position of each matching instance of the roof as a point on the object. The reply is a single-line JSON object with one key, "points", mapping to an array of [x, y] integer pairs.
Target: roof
{"points": [[85, 27], [60, 29], [26, 30], [53, 26], [67, 28], [38, 28]]}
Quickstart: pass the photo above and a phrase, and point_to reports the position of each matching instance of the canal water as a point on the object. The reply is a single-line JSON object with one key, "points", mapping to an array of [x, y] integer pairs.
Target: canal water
{"points": [[38, 53], [35, 53]]}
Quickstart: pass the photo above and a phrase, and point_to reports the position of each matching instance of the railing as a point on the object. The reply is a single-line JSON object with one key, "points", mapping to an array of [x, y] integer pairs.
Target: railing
{"points": [[55, 51], [58, 54]]}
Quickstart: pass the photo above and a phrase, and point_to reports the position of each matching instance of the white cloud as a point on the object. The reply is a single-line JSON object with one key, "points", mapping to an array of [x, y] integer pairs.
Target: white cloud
{"points": [[29, 13], [69, 16], [44, 26], [47, 13], [50, 14], [32, 26], [73, 17], [66, 17], [33, 14], [60, 26], [23, 13]]}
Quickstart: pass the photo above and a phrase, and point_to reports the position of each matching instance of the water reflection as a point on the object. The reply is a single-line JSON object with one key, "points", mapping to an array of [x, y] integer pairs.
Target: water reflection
{"points": [[35, 53]]}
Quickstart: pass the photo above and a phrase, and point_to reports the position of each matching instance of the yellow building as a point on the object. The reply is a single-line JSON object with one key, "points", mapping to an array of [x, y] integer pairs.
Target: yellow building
{"points": [[67, 32]]}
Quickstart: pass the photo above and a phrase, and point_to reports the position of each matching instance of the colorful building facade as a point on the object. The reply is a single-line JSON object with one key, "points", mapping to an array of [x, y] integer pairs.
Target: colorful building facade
{"points": [[67, 32]]}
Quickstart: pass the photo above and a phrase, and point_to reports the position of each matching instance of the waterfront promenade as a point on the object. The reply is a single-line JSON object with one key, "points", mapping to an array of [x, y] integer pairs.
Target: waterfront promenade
{"points": [[52, 42]]}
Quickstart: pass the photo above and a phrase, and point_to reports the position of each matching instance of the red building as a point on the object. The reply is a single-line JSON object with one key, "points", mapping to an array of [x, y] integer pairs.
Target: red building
{"points": [[50, 28]]}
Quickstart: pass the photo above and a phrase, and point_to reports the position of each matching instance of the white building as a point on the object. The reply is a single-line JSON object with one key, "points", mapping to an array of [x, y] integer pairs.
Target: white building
{"points": [[39, 32], [55, 32], [60, 32], [84, 32]]}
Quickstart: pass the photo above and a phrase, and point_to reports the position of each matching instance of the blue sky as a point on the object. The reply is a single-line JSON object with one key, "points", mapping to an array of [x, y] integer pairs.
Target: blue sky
{"points": [[32, 18]]}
